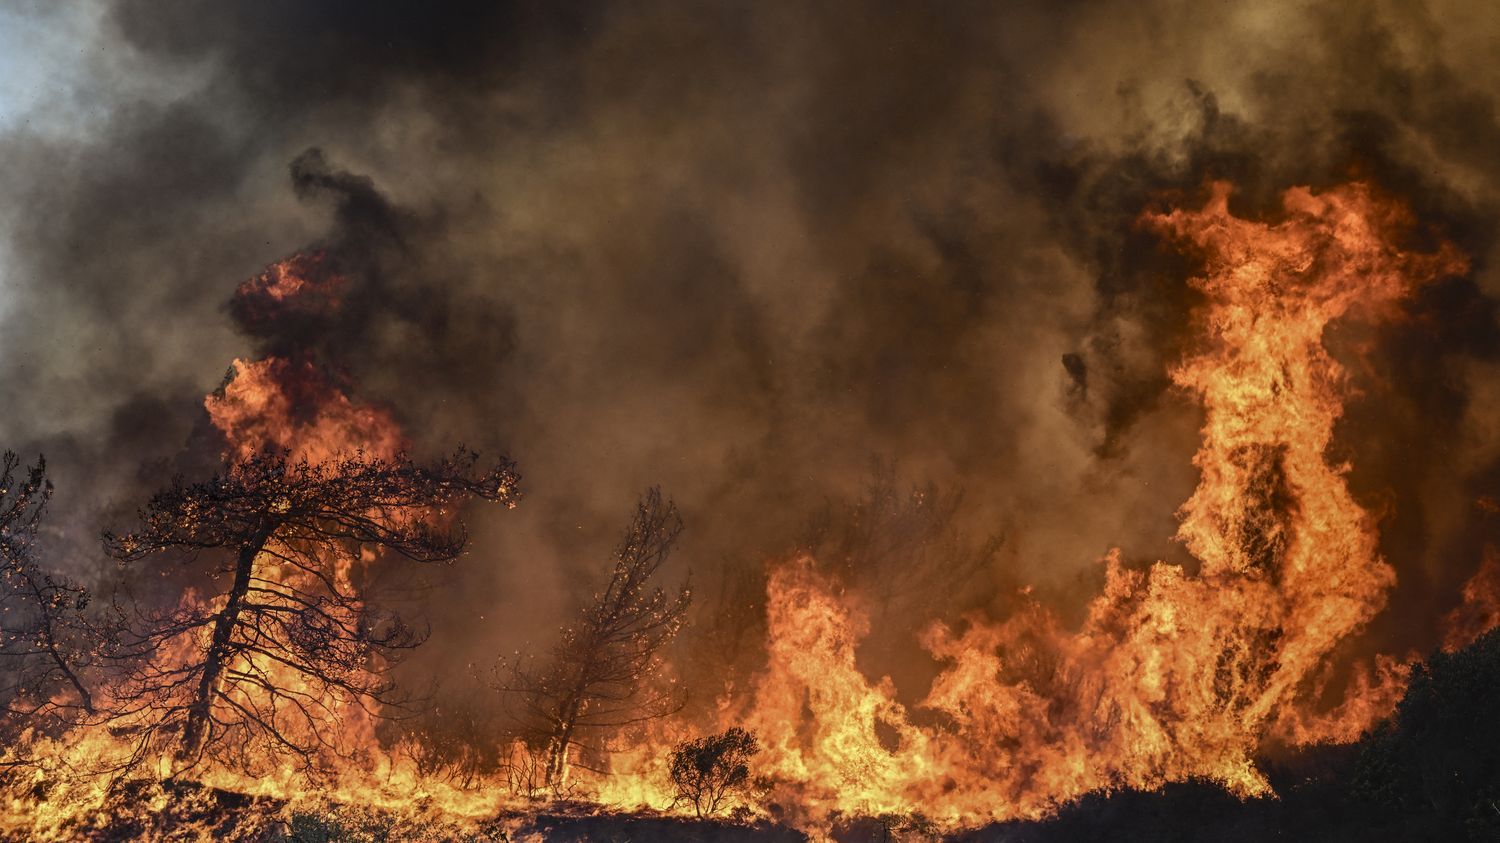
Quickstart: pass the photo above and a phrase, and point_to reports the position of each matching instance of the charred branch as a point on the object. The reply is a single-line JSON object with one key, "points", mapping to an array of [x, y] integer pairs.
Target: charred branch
{"points": [[45, 639]]}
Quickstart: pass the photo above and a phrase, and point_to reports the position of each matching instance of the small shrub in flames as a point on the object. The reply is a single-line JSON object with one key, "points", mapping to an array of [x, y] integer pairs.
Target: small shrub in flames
{"points": [[710, 772]]}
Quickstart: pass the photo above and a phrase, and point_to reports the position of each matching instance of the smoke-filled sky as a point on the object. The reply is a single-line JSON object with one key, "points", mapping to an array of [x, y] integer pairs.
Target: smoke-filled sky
{"points": [[740, 250]]}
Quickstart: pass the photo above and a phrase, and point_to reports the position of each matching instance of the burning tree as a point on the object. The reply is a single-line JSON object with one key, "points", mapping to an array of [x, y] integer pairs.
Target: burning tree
{"points": [[44, 638], [600, 677], [273, 659]]}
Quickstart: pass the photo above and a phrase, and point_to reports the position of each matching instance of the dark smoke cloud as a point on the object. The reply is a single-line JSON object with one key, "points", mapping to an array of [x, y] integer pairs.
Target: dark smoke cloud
{"points": [[738, 249]]}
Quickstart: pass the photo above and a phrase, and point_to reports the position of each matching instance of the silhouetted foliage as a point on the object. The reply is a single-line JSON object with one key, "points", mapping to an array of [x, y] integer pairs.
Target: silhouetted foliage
{"points": [[709, 772], [275, 657], [1434, 768], [45, 639], [601, 676]]}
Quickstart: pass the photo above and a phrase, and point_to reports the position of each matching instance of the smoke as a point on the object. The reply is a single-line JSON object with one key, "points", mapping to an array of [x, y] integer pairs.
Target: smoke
{"points": [[740, 249]]}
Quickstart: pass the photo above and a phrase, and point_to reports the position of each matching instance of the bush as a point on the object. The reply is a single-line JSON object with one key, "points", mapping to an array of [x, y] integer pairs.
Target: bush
{"points": [[711, 771], [1434, 768]]}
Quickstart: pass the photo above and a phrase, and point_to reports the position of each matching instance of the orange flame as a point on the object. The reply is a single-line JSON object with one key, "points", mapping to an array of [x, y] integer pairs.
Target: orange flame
{"points": [[296, 407], [1173, 674], [1480, 610], [296, 290]]}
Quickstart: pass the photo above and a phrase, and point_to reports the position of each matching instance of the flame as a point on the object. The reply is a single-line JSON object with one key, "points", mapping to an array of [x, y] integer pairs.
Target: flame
{"points": [[295, 406], [283, 403], [300, 289], [1480, 610], [1174, 672], [818, 717]]}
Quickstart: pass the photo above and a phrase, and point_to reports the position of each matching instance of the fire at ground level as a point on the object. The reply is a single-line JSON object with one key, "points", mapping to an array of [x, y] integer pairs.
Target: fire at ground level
{"points": [[269, 677], [1432, 772]]}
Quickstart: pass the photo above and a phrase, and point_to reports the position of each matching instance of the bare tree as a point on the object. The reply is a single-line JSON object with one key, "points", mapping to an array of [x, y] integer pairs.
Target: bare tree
{"points": [[45, 639], [601, 676], [272, 659]]}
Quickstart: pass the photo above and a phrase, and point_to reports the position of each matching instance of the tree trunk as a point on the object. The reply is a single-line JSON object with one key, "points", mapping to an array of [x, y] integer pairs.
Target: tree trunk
{"points": [[220, 651], [557, 748]]}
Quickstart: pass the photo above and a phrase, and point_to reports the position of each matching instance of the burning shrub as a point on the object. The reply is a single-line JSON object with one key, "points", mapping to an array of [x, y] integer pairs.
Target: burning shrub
{"points": [[710, 771]]}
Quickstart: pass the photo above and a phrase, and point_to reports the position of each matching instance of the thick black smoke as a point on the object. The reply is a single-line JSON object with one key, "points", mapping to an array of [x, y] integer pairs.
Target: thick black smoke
{"points": [[741, 249]]}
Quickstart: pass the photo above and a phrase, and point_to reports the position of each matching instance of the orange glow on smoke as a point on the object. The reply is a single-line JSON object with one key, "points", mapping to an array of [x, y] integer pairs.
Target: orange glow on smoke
{"points": [[1173, 673], [298, 289]]}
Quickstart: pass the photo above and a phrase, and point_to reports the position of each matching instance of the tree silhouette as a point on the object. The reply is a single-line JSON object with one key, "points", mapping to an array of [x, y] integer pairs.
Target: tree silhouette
{"points": [[1433, 769], [44, 638], [707, 772], [600, 676], [273, 659]]}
